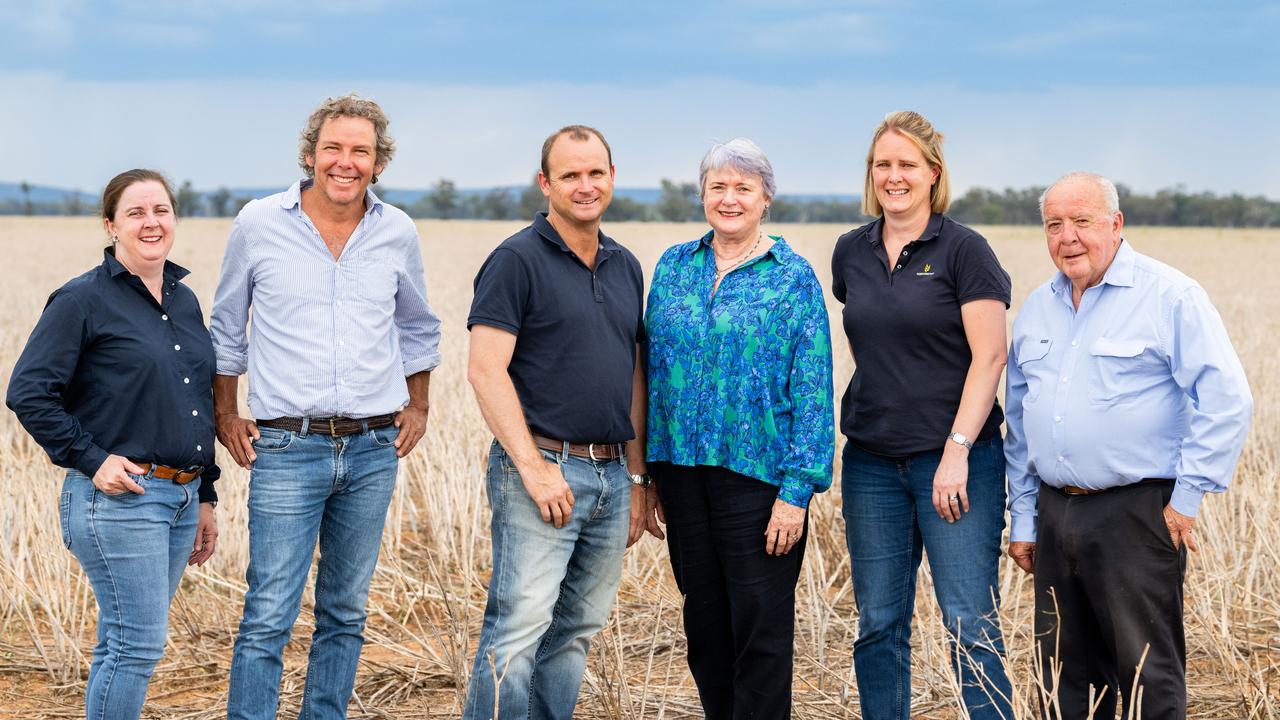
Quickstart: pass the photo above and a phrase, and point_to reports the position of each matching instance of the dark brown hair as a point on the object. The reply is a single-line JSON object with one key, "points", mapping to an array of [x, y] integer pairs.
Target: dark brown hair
{"points": [[118, 184], [575, 132]]}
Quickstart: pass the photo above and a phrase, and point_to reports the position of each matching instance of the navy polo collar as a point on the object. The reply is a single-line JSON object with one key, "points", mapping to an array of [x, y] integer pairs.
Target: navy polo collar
{"points": [[543, 226], [173, 272], [931, 231]]}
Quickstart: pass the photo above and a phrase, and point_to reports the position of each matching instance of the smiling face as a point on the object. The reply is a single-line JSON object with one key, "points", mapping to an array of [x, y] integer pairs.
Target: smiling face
{"points": [[1083, 234], [902, 178], [734, 202], [345, 160], [578, 182], [143, 226]]}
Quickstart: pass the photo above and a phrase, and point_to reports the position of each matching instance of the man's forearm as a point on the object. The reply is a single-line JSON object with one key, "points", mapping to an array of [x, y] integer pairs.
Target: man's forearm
{"points": [[639, 419], [500, 407], [226, 395], [419, 385]]}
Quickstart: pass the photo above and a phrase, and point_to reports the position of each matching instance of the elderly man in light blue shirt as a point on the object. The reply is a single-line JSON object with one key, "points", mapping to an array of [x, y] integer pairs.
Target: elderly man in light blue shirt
{"points": [[339, 362], [1125, 405]]}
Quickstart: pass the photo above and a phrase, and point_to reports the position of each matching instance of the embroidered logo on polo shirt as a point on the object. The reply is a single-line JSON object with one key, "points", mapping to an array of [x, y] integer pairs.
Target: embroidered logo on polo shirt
{"points": [[928, 271]]}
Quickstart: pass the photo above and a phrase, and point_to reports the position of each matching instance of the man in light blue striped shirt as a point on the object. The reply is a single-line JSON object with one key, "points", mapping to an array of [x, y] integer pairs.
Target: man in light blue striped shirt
{"points": [[339, 361], [1125, 405]]}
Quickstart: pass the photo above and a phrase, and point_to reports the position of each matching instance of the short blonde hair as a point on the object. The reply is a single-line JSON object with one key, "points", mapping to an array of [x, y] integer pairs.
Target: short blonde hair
{"points": [[914, 127], [349, 105]]}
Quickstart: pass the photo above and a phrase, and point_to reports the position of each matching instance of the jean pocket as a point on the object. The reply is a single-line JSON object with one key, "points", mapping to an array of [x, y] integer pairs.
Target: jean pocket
{"points": [[386, 436], [64, 514], [272, 440]]}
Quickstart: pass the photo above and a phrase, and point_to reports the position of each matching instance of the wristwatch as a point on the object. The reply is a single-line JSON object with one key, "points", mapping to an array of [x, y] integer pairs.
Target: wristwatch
{"points": [[641, 480], [959, 438]]}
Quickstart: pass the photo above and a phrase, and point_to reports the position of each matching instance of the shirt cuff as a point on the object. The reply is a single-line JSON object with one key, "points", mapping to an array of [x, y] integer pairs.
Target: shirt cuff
{"points": [[417, 365], [1186, 498], [1022, 528], [233, 364], [91, 460], [207, 492], [797, 494]]}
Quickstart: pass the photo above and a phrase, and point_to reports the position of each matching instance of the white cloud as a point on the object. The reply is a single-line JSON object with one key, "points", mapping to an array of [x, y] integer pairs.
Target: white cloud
{"points": [[78, 134]]}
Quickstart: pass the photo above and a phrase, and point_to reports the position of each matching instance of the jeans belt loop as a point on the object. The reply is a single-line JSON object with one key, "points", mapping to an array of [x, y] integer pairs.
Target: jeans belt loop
{"points": [[364, 426], [306, 425], [564, 451], [622, 454], [150, 473]]}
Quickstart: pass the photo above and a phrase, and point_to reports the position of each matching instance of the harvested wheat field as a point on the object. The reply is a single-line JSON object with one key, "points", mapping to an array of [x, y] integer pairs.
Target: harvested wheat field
{"points": [[428, 593]]}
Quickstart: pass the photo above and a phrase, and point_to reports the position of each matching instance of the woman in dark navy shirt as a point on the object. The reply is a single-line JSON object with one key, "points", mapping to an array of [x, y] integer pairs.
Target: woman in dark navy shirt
{"points": [[924, 310], [115, 383]]}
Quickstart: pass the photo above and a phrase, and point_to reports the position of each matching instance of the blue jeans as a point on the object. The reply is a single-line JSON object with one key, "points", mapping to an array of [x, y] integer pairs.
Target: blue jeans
{"points": [[304, 487], [133, 548], [551, 589], [889, 521]]}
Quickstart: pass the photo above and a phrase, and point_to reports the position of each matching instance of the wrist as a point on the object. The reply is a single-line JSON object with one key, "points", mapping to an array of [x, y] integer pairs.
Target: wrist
{"points": [[958, 441]]}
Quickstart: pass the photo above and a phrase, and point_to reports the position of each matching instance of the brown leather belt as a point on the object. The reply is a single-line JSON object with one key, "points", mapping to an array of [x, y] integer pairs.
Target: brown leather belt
{"points": [[590, 451], [335, 426], [181, 476]]}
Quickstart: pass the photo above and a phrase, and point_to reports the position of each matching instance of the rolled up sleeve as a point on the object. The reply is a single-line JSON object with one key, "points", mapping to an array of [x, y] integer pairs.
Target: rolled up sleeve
{"points": [[230, 315], [417, 324]]}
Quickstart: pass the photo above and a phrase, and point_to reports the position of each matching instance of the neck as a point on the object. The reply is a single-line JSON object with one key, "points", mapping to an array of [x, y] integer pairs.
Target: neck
{"points": [[905, 228], [736, 242], [582, 238], [318, 207]]}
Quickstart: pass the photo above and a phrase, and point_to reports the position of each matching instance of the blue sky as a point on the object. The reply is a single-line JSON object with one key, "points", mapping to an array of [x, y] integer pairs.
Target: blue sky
{"points": [[1153, 94]]}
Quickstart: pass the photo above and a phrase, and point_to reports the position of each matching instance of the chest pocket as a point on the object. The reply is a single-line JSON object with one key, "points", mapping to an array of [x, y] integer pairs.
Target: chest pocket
{"points": [[1116, 369], [1031, 361]]}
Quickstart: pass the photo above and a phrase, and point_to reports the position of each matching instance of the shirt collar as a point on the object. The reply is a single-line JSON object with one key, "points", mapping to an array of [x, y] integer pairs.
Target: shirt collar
{"points": [[173, 272], [780, 251], [548, 232], [1119, 272], [931, 231], [292, 198]]}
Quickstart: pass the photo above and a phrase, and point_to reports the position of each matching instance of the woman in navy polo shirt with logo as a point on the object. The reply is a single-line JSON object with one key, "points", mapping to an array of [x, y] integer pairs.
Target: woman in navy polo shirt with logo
{"points": [[116, 384], [923, 471]]}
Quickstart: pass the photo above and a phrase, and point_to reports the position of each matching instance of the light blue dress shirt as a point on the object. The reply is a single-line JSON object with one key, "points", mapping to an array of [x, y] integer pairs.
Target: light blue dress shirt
{"points": [[1140, 382], [329, 337]]}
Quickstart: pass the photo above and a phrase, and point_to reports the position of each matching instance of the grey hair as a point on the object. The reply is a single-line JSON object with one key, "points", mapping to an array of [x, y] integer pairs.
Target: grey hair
{"points": [[1110, 195], [742, 155]]}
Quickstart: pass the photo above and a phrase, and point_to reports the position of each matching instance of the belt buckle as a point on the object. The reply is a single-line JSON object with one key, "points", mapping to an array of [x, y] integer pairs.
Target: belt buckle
{"points": [[193, 471], [591, 451], [333, 429]]}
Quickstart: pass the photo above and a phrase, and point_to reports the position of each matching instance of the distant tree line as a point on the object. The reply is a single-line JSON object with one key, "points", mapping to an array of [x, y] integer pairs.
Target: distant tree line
{"points": [[678, 202]]}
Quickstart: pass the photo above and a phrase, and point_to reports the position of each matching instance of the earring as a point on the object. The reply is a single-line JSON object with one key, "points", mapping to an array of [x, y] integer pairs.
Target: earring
{"points": [[114, 238]]}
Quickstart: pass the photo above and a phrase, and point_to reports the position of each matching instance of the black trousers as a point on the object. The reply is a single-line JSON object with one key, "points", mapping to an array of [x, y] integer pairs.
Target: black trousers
{"points": [[1108, 587], [739, 603]]}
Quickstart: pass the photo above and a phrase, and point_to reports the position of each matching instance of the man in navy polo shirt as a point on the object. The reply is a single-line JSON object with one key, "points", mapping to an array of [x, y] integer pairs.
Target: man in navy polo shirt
{"points": [[555, 326]]}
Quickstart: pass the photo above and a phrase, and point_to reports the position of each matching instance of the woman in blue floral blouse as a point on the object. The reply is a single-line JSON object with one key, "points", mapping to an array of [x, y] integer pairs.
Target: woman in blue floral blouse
{"points": [[740, 432]]}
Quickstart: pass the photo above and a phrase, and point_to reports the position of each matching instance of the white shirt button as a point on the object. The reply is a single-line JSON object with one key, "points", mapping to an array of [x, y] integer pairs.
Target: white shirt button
{"points": [[342, 342], [1064, 378], [199, 448], [186, 381], [164, 317], [195, 412], [177, 347], [1075, 343], [1061, 458], [1058, 419]]}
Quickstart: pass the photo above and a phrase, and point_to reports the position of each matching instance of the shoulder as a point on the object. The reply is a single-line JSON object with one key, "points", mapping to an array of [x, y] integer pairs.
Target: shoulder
{"points": [[795, 266], [962, 238], [1166, 278], [858, 234], [1036, 301], [261, 210], [397, 219], [678, 252]]}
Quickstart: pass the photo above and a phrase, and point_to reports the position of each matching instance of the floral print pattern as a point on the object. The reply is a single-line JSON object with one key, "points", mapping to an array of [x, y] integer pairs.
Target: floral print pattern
{"points": [[741, 380]]}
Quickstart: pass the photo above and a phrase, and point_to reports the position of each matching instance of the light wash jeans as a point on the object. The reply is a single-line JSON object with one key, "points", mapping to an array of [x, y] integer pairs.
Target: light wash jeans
{"points": [[304, 487], [889, 522], [133, 548], [551, 589]]}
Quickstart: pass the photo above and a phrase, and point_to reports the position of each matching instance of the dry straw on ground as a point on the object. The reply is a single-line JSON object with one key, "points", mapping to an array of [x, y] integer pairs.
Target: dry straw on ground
{"points": [[428, 592]]}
